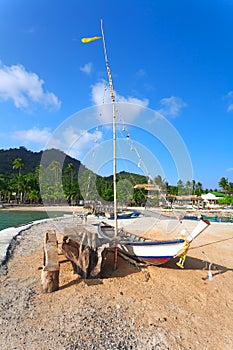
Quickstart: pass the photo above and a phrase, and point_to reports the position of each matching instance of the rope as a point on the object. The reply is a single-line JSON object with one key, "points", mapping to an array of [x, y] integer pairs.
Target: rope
{"points": [[140, 163], [210, 268]]}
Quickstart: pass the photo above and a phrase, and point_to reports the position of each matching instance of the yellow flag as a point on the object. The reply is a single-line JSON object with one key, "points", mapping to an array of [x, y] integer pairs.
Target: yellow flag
{"points": [[88, 40]]}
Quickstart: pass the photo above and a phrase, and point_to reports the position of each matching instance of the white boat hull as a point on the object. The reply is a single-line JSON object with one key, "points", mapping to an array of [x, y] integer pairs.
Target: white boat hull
{"points": [[152, 252], [155, 253]]}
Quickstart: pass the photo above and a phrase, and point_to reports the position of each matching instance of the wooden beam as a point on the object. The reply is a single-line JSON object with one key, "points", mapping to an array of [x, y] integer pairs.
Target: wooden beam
{"points": [[50, 271], [86, 256]]}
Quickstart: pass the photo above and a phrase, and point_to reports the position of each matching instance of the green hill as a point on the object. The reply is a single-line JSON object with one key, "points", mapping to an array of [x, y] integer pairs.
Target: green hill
{"points": [[32, 159]]}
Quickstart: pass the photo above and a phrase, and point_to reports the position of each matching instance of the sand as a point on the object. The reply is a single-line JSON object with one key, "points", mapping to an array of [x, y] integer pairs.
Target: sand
{"points": [[59, 208], [152, 308]]}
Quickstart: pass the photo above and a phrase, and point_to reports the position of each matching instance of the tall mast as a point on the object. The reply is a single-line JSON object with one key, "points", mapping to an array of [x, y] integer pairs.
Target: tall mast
{"points": [[114, 130]]}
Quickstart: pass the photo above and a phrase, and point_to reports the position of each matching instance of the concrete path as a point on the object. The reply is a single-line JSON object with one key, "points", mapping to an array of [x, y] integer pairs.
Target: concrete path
{"points": [[6, 237]]}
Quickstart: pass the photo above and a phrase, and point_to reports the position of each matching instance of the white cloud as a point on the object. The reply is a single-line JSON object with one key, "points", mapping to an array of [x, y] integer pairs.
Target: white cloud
{"points": [[87, 68], [230, 169], [141, 72], [24, 88], [33, 135], [74, 141], [100, 93], [87, 141], [229, 98], [229, 94], [171, 106], [101, 96]]}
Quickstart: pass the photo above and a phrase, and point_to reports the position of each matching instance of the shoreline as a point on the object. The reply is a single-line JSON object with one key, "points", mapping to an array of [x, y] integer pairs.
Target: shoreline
{"points": [[9, 235], [54, 208], [81, 209]]}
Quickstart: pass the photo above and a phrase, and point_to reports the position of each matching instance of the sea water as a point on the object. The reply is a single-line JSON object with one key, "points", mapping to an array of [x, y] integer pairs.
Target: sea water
{"points": [[14, 218]]}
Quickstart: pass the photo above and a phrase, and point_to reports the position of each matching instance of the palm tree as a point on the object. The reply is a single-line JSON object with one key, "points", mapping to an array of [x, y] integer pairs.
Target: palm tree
{"points": [[39, 173], [188, 187], [70, 169], [161, 183], [199, 188], [68, 182], [180, 187], [18, 164], [56, 170], [34, 196], [53, 182], [194, 186], [223, 183], [3, 187]]}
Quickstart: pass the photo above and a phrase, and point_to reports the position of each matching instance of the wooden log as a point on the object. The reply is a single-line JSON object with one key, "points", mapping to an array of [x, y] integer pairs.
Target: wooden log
{"points": [[101, 257], [70, 249], [50, 271], [84, 261], [86, 256]]}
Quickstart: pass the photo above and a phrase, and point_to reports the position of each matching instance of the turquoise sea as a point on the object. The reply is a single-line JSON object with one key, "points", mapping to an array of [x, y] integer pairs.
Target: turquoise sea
{"points": [[11, 218]]}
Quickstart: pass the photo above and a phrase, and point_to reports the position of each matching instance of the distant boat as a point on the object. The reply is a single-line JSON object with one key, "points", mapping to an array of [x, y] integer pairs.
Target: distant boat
{"points": [[130, 215], [217, 218], [190, 217], [213, 218]]}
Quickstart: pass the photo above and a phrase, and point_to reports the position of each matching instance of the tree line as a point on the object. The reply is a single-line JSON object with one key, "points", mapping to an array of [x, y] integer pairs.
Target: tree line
{"points": [[54, 185]]}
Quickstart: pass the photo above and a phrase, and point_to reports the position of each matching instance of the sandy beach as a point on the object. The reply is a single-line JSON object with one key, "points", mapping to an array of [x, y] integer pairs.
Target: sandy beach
{"points": [[151, 308], [65, 208]]}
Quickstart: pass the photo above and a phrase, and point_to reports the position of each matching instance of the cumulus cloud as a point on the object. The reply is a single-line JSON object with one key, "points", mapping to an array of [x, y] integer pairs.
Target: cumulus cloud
{"points": [[87, 68], [229, 99], [86, 141], [74, 141], [171, 106], [33, 135], [24, 87], [101, 96]]}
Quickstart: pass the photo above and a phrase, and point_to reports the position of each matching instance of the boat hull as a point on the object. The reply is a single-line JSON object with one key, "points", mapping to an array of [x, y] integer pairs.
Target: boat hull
{"points": [[154, 253], [131, 215], [217, 218], [151, 252]]}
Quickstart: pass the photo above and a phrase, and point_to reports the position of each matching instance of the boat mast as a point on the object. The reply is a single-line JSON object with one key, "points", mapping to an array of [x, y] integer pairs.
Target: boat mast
{"points": [[114, 130]]}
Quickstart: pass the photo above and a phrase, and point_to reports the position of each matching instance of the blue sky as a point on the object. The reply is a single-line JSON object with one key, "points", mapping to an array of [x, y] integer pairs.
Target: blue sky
{"points": [[171, 57]]}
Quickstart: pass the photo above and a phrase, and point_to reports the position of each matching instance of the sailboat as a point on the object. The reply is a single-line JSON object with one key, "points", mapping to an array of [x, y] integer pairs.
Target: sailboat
{"points": [[150, 251], [135, 247]]}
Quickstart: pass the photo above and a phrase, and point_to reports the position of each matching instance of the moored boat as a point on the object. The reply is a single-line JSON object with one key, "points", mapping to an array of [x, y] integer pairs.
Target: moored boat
{"points": [[217, 218], [148, 251], [130, 215], [139, 248], [190, 217]]}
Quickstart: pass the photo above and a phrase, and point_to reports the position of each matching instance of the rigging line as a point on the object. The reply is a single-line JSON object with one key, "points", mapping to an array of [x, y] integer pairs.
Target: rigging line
{"points": [[104, 95], [145, 169], [133, 148], [210, 276], [92, 175], [206, 256]]}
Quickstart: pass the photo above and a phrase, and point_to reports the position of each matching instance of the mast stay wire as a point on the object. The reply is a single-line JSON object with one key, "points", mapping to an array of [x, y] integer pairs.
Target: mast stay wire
{"points": [[140, 163]]}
